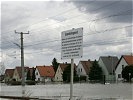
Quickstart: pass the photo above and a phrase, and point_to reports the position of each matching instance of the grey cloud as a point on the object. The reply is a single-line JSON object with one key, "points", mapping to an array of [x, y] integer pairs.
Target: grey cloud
{"points": [[59, 18], [16, 16], [123, 9]]}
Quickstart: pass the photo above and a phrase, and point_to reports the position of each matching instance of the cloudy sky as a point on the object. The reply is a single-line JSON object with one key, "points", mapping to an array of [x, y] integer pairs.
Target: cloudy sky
{"points": [[107, 29]]}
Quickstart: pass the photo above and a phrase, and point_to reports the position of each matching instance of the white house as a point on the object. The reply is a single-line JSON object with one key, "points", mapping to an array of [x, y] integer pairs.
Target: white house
{"points": [[17, 75], [44, 73], [108, 64], [59, 72], [58, 75], [8, 75], [83, 68], [123, 62]]}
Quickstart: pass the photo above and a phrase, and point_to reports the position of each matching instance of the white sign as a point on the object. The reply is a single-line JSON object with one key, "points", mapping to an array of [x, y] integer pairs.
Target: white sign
{"points": [[72, 44]]}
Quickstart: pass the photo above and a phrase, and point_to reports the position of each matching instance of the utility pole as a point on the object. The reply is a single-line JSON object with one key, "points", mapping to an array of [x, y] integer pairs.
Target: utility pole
{"points": [[22, 59], [71, 83]]}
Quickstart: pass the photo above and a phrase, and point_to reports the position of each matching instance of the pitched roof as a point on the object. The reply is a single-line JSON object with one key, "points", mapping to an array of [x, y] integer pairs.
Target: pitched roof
{"points": [[110, 62], [128, 59], [64, 65], [9, 72], [19, 70], [86, 65], [47, 71]]}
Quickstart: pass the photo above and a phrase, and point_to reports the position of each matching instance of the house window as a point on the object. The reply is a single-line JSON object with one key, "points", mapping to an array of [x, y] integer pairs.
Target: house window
{"points": [[122, 67], [36, 73], [81, 69], [119, 75]]}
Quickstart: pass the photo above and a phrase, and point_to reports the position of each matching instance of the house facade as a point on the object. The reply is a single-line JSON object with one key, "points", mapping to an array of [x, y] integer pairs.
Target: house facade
{"points": [[8, 75], [124, 61], [83, 68], [108, 63], [59, 73], [44, 74], [17, 75]]}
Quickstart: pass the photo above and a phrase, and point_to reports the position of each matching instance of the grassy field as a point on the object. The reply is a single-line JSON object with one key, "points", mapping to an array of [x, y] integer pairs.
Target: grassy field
{"points": [[84, 91]]}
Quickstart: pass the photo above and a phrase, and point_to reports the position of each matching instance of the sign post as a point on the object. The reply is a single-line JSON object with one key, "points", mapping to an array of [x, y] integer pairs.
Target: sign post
{"points": [[72, 47], [71, 84]]}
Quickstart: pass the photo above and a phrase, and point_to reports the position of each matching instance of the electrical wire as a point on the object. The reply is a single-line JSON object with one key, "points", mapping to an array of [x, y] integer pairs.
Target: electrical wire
{"points": [[81, 14], [96, 43]]}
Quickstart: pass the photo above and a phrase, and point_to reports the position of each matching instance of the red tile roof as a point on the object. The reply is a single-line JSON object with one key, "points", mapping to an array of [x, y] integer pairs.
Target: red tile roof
{"points": [[128, 59], [46, 71], [9, 72], [86, 65], [64, 65], [19, 70]]}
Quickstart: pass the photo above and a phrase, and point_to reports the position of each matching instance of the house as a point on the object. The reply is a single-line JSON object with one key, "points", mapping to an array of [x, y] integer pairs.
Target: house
{"points": [[17, 75], [83, 68], [2, 78], [8, 75], [108, 63], [124, 61], [44, 73], [61, 67]]}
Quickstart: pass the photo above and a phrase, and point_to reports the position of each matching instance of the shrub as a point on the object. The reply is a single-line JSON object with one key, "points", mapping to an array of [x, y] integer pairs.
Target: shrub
{"points": [[30, 82], [76, 79], [83, 78], [15, 83]]}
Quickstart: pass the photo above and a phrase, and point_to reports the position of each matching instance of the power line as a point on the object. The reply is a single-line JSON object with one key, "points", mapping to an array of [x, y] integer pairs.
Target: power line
{"points": [[83, 35], [101, 18], [86, 13], [45, 19], [56, 40], [114, 15], [98, 43], [118, 14], [75, 8], [93, 20]]}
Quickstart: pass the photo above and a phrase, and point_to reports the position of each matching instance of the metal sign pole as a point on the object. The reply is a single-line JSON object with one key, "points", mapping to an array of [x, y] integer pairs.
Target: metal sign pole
{"points": [[71, 84], [72, 47]]}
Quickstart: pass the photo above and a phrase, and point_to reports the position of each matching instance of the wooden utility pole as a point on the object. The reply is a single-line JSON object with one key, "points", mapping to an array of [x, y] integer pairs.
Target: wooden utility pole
{"points": [[22, 59]]}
